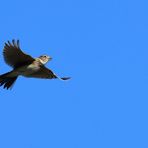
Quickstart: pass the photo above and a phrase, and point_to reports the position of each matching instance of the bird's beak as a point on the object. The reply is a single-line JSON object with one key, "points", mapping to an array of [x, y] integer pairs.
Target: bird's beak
{"points": [[50, 58]]}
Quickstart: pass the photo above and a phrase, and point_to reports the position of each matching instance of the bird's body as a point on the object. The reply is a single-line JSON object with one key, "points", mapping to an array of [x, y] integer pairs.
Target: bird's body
{"points": [[24, 65], [25, 70]]}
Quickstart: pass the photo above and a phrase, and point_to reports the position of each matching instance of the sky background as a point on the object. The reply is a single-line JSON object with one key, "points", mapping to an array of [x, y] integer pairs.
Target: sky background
{"points": [[103, 46]]}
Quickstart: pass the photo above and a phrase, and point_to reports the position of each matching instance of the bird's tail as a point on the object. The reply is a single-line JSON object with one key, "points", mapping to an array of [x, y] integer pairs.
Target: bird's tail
{"points": [[7, 81]]}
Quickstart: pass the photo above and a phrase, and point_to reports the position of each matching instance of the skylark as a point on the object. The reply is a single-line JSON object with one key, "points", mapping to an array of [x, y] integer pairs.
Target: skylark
{"points": [[24, 65]]}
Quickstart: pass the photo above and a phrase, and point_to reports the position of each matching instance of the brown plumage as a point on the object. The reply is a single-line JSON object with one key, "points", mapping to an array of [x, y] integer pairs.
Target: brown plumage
{"points": [[24, 65]]}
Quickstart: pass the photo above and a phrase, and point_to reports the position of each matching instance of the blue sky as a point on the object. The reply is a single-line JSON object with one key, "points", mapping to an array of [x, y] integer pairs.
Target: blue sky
{"points": [[103, 46]]}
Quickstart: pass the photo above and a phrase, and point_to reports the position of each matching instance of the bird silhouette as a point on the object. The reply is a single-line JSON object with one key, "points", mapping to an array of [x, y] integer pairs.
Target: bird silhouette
{"points": [[24, 65]]}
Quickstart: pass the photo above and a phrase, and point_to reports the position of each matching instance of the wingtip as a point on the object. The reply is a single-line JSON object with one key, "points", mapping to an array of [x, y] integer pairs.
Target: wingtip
{"points": [[66, 78], [14, 42], [18, 43], [9, 43]]}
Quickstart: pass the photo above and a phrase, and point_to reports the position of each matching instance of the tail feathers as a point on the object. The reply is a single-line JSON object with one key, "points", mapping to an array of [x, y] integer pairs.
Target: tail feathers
{"points": [[6, 81]]}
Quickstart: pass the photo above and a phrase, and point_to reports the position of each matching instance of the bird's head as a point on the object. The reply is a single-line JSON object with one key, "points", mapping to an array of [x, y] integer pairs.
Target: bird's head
{"points": [[44, 59]]}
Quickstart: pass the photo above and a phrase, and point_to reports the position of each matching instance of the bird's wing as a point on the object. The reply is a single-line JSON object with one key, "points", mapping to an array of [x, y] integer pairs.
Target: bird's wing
{"points": [[13, 55], [46, 73]]}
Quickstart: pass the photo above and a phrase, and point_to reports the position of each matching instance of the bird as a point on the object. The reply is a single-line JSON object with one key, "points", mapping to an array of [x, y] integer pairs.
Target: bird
{"points": [[24, 65]]}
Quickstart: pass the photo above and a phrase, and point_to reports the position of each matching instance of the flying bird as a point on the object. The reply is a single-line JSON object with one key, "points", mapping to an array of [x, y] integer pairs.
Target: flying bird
{"points": [[24, 65]]}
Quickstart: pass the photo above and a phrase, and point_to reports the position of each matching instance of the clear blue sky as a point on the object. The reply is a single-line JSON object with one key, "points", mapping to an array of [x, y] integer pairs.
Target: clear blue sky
{"points": [[103, 46]]}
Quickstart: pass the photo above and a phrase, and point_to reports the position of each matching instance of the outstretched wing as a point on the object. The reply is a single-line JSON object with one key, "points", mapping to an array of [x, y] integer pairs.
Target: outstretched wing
{"points": [[46, 73], [13, 55]]}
